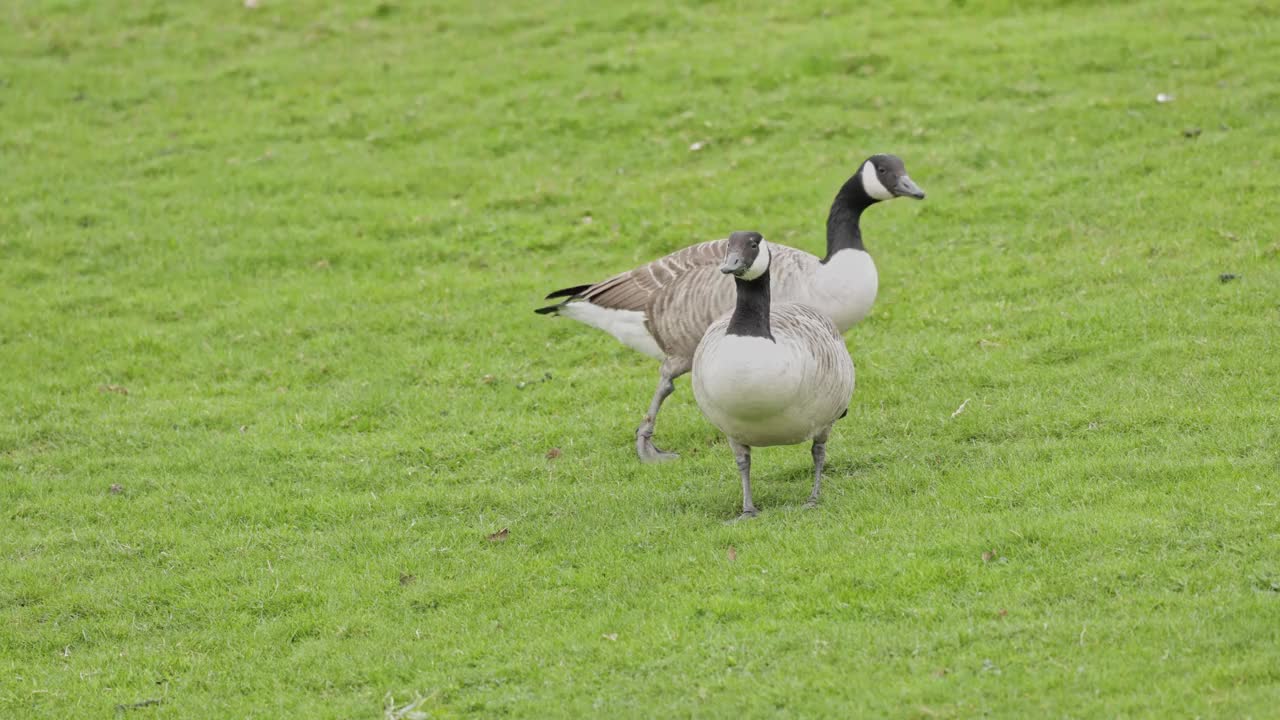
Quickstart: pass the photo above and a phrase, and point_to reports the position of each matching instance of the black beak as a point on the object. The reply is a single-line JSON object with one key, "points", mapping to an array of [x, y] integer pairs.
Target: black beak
{"points": [[733, 263], [907, 188]]}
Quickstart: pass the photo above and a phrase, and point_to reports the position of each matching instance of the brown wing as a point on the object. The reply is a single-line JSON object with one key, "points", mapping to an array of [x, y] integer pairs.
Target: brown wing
{"points": [[695, 297], [636, 289], [684, 292]]}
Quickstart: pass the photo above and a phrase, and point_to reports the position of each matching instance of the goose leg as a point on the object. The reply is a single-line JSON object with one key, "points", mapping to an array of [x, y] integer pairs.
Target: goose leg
{"points": [[671, 369], [819, 459], [742, 454]]}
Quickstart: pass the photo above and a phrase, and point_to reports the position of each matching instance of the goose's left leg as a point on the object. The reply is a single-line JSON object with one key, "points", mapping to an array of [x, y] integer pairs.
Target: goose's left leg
{"points": [[819, 459], [672, 368], [742, 454]]}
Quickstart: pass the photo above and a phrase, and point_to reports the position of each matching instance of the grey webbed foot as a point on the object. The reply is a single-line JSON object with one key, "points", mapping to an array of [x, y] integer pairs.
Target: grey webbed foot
{"points": [[648, 453], [671, 369]]}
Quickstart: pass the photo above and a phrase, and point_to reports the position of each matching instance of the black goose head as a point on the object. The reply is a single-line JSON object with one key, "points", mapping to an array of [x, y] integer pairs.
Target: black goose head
{"points": [[878, 178], [746, 256], [884, 177]]}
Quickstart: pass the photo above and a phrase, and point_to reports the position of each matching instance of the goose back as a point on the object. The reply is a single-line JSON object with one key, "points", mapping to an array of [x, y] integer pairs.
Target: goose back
{"points": [[675, 298]]}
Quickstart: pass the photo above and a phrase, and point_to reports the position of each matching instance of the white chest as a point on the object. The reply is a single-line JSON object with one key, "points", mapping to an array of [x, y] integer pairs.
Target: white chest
{"points": [[845, 287], [763, 393], [747, 376]]}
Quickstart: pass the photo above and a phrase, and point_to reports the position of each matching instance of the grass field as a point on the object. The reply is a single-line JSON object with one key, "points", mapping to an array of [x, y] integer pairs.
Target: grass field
{"points": [[271, 376]]}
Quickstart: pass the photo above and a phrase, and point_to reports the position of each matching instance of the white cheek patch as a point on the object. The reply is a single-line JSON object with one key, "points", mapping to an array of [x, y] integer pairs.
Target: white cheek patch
{"points": [[760, 265], [871, 183]]}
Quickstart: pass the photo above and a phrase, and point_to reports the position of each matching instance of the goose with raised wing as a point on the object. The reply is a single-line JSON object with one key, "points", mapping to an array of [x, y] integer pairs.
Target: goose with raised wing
{"points": [[770, 373], [663, 308]]}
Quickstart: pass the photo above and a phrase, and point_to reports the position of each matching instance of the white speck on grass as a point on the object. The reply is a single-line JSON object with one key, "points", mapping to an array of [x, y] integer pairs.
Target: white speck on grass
{"points": [[961, 408], [1164, 98], [697, 146], [408, 711]]}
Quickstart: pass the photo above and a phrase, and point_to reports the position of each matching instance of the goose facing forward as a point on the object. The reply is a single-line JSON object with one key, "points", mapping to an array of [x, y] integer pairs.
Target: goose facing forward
{"points": [[770, 374], [663, 308]]}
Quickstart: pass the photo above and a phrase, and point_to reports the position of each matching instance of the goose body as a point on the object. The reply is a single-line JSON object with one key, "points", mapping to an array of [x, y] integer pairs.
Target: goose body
{"points": [[663, 308], [783, 391], [770, 374]]}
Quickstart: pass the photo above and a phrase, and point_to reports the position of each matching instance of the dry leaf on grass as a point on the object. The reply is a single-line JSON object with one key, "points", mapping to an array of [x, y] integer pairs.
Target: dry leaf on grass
{"points": [[498, 536], [553, 453], [117, 389], [733, 554], [406, 578], [116, 488], [612, 637]]}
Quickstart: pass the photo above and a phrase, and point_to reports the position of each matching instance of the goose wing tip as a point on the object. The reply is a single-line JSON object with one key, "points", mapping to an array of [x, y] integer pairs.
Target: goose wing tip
{"points": [[568, 292]]}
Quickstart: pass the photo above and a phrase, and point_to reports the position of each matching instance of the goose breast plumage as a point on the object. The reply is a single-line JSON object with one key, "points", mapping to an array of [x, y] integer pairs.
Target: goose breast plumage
{"points": [[799, 382]]}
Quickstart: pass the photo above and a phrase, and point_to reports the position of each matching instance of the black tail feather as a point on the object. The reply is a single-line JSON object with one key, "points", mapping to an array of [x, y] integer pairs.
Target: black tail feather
{"points": [[569, 291], [548, 310]]}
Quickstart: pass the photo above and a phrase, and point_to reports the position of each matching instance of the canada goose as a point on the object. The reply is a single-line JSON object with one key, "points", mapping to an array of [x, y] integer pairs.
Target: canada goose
{"points": [[770, 375], [663, 308]]}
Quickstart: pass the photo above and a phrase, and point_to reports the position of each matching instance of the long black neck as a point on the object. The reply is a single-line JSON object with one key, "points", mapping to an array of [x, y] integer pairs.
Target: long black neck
{"points": [[751, 316], [843, 232]]}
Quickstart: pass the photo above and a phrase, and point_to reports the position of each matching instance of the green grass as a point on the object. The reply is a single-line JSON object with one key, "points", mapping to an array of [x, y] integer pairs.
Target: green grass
{"points": [[307, 240]]}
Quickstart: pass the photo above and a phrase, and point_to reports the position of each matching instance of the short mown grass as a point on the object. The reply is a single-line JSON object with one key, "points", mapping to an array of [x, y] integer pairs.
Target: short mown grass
{"points": [[271, 376]]}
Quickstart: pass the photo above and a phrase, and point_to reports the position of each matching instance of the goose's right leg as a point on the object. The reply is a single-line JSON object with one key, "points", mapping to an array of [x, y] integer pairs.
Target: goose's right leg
{"points": [[819, 460], [742, 454], [672, 368]]}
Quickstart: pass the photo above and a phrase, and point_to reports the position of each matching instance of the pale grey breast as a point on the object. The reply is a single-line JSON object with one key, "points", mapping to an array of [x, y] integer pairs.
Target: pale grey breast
{"points": [[811, 389], [811, 336]]}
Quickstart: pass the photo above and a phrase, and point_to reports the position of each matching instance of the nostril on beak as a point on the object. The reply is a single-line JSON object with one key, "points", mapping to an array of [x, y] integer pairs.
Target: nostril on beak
{"points": [[732, 264], [908, 188]]}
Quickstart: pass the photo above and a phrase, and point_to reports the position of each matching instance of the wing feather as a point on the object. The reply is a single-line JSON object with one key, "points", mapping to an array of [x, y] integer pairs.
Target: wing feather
{"points": [[682, 293], [636, 289]]}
